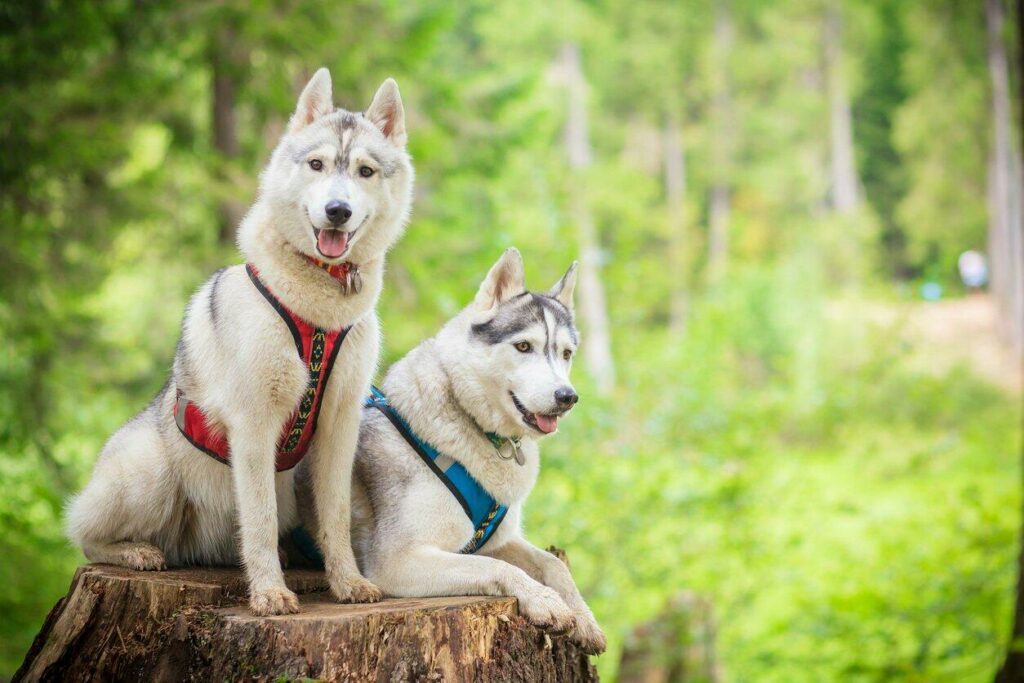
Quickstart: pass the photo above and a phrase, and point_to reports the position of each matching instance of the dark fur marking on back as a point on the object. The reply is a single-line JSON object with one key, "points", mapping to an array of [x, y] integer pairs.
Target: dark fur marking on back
{"points": [[158, 399], [182, 366], [213, 296]]}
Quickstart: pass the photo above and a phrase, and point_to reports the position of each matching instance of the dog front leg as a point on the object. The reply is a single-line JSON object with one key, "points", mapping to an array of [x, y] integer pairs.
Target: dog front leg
{"points": [[252, 468], [331, 470], [427, 571], [551, 571]]}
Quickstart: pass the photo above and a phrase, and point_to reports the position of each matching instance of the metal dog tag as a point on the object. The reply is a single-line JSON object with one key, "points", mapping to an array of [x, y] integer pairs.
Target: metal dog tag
{"points": [[520, 459], [352, 283], [514, 443], [356, 280]]}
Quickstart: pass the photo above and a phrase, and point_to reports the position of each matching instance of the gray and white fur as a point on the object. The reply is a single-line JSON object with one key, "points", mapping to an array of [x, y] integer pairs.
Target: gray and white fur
{"points": [[155, 500], [501, 365]]}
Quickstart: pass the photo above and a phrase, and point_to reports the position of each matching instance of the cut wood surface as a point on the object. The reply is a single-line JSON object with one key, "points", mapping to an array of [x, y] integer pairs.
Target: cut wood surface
{"points": [[116, 624]]}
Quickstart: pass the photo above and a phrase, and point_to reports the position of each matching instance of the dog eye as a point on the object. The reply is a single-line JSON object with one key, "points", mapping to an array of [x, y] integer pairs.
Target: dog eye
{"points": [[316, 164], [567, 354], [524, 347], [366, 171]]}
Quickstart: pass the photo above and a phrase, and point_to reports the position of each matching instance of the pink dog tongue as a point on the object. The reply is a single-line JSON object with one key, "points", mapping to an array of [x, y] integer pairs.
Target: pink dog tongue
{"points": [[546, 423], [332, 243]]}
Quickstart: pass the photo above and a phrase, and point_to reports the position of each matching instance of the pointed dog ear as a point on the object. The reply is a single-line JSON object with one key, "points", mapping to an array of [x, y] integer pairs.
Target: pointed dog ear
{"points": [[563, 289], [315, 101], [504, 281], [386, 112]]}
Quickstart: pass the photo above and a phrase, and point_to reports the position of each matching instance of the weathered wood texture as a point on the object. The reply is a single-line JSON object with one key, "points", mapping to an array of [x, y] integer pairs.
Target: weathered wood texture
{"points": [[180, 625]]}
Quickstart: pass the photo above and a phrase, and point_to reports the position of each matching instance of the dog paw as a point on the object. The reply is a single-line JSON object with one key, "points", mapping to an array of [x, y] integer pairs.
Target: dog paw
{"points": [[144, 557], [355, 589], [546, 609], [270, 601], [588, 635]]}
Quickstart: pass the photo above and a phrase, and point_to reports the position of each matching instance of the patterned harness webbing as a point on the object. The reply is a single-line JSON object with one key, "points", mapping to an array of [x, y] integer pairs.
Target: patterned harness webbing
{"points": [[318, 349], [479, 505]]}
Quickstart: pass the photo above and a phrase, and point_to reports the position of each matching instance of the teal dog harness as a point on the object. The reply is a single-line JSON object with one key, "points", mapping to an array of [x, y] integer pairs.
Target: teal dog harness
{"points": [[479, 505], [484, 512]]}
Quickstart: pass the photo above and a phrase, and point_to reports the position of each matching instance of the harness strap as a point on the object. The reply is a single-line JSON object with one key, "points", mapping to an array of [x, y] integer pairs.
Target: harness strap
{"points": [[483, 510], [318, 349]]}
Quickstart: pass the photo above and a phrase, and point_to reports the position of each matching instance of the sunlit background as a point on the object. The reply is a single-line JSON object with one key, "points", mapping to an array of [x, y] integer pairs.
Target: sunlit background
{"points": [[800, 431]]}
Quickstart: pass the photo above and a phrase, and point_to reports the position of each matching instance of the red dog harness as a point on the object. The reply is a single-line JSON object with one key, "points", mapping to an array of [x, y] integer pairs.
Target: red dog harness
{"points": [[317, 348]]}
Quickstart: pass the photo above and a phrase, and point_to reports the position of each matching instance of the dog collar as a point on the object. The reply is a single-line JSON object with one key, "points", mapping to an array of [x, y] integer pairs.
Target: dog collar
{"points": [[347, 274]]}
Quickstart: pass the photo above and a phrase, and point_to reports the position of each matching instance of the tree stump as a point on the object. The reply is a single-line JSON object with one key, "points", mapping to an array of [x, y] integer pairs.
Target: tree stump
{"points": [[116, 624]]}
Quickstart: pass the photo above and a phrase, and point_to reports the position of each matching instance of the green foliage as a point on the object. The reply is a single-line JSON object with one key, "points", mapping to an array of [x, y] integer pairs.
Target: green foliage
{"points": [[849, 519], [944, 209], [884, 92], [850, 516]]}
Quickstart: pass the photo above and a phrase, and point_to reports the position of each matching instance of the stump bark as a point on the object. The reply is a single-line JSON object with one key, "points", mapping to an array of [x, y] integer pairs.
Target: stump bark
{"points": [[116, 624]]}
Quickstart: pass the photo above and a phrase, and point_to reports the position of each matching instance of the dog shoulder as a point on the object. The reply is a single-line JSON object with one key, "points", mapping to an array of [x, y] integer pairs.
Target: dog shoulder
{"points": [[410, 502], [234, 340], [229, 311], [384, 456], [365, 335]]}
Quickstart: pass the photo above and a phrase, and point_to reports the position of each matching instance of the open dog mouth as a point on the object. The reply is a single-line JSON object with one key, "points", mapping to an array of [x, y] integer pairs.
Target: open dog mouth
{"points": [[332, 243], [542, 423]]}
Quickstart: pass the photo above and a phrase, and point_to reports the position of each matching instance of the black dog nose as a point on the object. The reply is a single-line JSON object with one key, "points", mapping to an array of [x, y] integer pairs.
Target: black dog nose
{"points": [[565, 397], [338, 212]]}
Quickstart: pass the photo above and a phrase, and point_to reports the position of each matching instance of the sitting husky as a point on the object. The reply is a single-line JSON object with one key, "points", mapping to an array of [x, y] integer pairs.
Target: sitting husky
{"points": [[448, 453], [252, 383]]}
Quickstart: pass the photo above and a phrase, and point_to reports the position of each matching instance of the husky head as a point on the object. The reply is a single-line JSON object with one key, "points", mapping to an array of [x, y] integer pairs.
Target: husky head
{"points": [[513, 350], [339, 185]]}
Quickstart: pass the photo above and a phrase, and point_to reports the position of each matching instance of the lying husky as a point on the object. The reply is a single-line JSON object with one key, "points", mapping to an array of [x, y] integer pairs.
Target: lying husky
{"points": [[448, 453], [252, 384]]}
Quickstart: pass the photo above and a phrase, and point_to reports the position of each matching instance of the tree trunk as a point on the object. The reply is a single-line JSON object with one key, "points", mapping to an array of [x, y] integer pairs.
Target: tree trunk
{"points": [[597, 351], [1006, 223], [225, 64], [722, 134], [678, 225], [1012, 670], [189, 625], [677, 646], [718, 231], [843, 171]]}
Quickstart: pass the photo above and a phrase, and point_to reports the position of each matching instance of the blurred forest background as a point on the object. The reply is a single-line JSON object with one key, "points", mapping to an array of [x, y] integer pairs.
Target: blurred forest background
{"points": [[773, 416]]}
